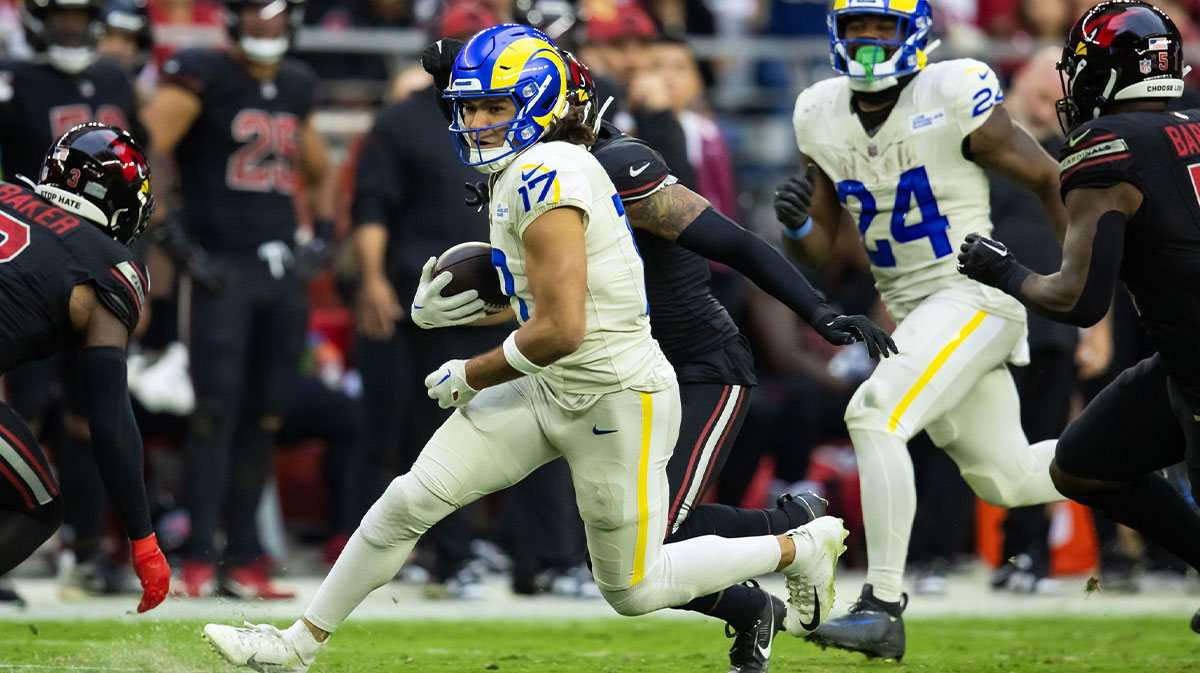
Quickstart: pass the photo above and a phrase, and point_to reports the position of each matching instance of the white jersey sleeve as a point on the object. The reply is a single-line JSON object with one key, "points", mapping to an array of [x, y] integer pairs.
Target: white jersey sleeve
{"points": [[973, 89], [548, 182]]}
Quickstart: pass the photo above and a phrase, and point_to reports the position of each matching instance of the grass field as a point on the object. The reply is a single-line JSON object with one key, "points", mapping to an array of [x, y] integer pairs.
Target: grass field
{"points": [[1016, 645]]}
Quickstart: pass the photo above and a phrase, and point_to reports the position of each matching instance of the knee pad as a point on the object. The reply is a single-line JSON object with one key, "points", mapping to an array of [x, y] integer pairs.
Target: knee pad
{"points": [[404, 512], [866, 408], [632, 601]]}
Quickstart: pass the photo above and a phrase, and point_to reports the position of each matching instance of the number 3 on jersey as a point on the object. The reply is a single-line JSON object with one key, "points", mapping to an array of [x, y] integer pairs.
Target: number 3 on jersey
{"points": [[914, 183]]}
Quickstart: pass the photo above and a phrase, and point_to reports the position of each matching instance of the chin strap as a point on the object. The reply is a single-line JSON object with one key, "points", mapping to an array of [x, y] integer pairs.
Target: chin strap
{"points": [[600, 115]]}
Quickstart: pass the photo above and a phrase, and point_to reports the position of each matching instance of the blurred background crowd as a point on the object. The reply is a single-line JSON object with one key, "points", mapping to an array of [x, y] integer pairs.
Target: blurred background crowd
{"points": [[720, 77]]}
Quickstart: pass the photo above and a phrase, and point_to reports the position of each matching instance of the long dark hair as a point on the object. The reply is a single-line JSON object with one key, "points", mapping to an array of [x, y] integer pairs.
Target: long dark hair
{"points": [[571, 128]]}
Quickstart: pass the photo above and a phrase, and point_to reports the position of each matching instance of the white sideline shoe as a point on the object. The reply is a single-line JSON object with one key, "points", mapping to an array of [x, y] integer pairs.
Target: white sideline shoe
{"points": [[809, 577], [261, 647]]}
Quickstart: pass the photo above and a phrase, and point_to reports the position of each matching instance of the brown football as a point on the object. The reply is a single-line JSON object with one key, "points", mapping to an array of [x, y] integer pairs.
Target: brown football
{"points": [[471, 265]]}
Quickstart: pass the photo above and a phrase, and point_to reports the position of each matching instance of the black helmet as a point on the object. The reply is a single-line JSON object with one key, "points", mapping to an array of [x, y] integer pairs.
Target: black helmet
{"points": [[1119, 50], [99, 172], [260, 50], [130, 16], [69, 52], [581, 88]]}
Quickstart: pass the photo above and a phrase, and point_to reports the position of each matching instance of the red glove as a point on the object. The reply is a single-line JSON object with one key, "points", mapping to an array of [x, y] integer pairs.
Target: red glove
{"points": [[152, 569]]}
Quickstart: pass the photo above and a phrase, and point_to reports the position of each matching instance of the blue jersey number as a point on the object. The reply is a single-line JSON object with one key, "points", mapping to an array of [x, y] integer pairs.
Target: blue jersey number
{"points": [[545, 179], [500, 261], [914, 183]]}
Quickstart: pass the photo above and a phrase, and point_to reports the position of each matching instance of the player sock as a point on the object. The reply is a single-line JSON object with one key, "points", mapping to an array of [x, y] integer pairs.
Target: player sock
{"points": [[739, 605], [1151, 506], [21, 533], [726, 521], [302, 640], [87, 504], [889, 503]]}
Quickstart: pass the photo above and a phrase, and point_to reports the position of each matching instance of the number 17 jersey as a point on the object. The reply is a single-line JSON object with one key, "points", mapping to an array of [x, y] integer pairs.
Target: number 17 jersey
{"points": [[910, 191]]}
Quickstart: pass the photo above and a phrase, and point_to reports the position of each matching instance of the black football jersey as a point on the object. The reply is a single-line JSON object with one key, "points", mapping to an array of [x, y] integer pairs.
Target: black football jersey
{"points": [[1159, 153], [39, 103], [688, 322], [239, 163], [46, 252]]}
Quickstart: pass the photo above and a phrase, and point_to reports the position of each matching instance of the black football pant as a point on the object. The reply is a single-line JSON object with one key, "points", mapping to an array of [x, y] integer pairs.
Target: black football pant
{"points": [[30, 506], [245, 346], [1138, 425]]}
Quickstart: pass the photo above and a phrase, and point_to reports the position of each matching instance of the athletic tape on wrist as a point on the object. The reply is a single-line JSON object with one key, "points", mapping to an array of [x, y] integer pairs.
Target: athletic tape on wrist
{"points": [[516, 358], [800, 232]]}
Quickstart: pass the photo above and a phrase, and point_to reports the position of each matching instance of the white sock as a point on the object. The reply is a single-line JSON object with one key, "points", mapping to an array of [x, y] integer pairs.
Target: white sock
{"points": [[889, 503], [361, 569], [302, 641]]}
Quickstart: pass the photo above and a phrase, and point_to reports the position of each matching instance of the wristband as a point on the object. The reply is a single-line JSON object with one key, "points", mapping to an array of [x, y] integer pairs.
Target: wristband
{"points": [[799, 232], [516, 358], [144, 546]]}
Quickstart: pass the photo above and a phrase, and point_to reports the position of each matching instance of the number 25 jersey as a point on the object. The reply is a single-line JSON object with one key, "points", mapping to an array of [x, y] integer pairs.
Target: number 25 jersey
{"points": [[910, 191], [239, 163]]}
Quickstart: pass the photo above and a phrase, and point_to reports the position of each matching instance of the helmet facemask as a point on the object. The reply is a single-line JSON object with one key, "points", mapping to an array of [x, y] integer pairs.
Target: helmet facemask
{"points": [[878, 64], [65, 32]]}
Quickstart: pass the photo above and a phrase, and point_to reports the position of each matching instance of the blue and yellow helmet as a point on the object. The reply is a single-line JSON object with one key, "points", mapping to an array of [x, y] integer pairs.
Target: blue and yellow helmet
{"points": [[514, 61], [866, 62]]}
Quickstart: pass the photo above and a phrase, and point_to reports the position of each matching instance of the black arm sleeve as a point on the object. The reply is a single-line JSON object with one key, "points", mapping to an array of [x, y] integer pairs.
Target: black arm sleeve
{"points": [[716, 237], [116, 442], [1107, 249]]}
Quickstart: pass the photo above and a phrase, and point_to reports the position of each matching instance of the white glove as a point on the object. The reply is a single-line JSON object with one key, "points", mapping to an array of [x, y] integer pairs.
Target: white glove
{"points": [[430, 309], [448, 385]]}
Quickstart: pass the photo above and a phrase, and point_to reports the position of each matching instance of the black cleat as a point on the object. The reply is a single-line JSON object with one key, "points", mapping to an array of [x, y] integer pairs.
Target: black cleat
{"points": [[1196, 622], [872, 626], [802, 508], [751, 651]]}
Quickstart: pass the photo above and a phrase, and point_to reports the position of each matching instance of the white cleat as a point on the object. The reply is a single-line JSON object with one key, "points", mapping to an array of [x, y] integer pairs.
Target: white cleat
{"points": [[261, 647], [810, 577]]}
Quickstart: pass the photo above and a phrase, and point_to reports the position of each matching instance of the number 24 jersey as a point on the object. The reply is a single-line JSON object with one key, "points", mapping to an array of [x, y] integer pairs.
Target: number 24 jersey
{"points": [[910, 191]]}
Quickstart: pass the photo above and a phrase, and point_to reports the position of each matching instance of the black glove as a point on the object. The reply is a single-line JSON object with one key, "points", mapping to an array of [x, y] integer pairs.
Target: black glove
{"points": [[210, 274], [793, 198], [478, 197], [438, 60], [841, 330], [990, 263]]}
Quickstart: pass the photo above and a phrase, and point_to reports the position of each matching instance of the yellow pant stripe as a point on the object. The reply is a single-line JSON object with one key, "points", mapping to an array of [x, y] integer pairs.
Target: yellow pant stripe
{"points": [[933, 368], [639, 552]]}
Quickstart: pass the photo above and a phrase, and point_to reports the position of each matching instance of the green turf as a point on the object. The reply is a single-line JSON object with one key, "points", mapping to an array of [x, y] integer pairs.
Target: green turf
{"points": [[1116, 645]]}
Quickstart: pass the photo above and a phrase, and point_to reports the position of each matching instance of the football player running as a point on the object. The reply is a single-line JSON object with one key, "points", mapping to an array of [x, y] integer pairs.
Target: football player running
{"points": [[676, 232], [580, 378], [1130, 183], [900, 147], [68, 281]]}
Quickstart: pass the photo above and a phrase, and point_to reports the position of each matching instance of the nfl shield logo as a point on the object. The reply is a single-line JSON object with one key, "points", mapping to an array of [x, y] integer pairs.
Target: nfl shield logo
{"points": [[872, 150], [1145, 66]]}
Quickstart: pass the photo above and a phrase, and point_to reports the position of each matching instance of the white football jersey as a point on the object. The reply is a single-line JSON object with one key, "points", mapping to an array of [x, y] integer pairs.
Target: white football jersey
{"points": [[617, 352], [912, 194]]}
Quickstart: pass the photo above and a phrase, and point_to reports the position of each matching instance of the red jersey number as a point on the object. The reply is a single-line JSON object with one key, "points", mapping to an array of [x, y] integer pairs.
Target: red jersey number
{"points": [[65, 117], [16, 237], [266, 160]]}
